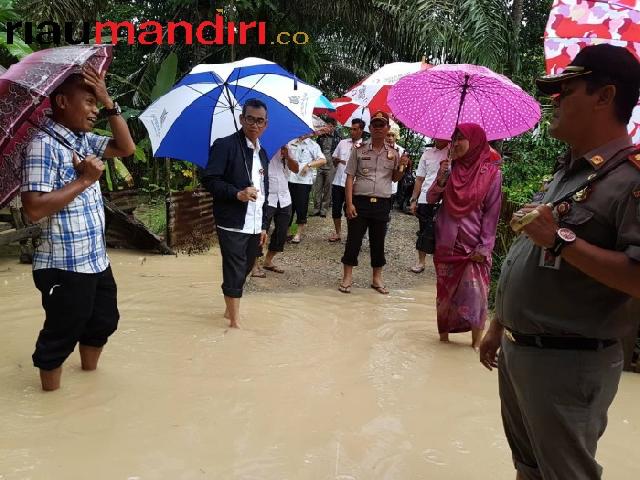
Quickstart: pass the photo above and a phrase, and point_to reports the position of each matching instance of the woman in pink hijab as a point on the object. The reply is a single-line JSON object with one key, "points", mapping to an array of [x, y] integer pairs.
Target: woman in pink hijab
{"points": [[465, 232]]}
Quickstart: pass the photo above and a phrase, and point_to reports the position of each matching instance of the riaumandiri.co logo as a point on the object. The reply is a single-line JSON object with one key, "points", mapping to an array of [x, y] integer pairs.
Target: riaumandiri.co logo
{"points": [[151, 32]]}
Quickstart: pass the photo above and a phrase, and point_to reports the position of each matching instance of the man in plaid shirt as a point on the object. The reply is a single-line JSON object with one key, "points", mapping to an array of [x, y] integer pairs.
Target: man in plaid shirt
{"points": [[70, 265]]}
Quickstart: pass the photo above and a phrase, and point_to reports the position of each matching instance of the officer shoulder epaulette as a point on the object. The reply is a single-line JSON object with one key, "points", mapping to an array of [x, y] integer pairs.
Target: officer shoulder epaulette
{"points": [[634, 157]]}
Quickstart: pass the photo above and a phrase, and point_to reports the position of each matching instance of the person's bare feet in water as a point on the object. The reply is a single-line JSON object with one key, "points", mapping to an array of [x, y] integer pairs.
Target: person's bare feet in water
{"points": [[232, 324]]}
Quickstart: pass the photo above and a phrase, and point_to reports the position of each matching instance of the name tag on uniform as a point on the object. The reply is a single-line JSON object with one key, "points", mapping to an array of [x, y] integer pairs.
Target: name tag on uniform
{"points": [[548, 260]]}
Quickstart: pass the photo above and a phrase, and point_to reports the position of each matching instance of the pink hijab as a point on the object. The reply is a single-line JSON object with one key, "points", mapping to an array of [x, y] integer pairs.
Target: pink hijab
{"points": [[471, 174]]}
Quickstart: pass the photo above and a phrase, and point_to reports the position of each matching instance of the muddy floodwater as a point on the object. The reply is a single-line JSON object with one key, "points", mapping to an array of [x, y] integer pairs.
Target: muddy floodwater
{"points": [[317, 385]]}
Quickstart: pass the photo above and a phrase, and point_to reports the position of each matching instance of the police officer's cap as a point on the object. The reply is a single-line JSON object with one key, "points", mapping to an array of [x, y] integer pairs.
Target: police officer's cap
{"points": [[603, 60]]}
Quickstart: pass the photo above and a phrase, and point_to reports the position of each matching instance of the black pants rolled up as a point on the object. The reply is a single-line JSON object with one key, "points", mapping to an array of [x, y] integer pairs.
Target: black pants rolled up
{"points": [[239, 252], [372, 216], [300, 202], [280, 217], [338, 200], [79, 307], [426, 241]]}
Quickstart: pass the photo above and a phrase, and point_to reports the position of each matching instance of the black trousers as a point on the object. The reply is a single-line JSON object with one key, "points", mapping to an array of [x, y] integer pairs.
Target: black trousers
{"points": [[300, 202], [239, 252], [338, 201], [79, 307], [372, 216], [426, 241], [281, 217]]}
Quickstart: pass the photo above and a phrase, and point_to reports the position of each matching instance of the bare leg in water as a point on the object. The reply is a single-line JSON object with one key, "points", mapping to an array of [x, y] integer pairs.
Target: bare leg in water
{"points": [[232, 312], [50, 379], [476, 336], [89, 357]]}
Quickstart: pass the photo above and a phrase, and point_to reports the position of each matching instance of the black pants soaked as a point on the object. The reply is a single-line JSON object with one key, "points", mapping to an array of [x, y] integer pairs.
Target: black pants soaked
{"points": [[79, 307], [300, 202], [426, 241], [372, 216], [239, 252], [337, 204], [280, 216]]}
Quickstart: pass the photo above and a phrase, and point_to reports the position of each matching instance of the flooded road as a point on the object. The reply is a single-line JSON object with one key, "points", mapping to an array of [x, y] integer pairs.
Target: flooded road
{"points": [[317, 385]]}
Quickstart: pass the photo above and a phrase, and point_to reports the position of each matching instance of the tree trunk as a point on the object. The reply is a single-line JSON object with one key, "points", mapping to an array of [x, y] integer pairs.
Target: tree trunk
{"points": [[516, 24], [516, 17]]}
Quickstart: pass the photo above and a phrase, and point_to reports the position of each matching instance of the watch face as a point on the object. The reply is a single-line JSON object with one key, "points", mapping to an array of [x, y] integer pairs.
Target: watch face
{"points": [[566, 235]]}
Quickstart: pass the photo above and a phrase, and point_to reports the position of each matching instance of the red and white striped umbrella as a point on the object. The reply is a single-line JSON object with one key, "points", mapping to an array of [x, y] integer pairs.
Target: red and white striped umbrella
{"points": [[370, 95]]}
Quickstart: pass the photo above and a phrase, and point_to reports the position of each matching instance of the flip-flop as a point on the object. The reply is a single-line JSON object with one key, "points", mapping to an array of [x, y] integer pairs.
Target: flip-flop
{"points": [[334, 239], [295, 239], [259, 275], [273, 268], [380, 289], [345, 288], [417, 270]]}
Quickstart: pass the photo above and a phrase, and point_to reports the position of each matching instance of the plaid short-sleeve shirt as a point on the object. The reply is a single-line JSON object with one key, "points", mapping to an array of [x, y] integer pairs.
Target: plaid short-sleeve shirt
{"points": [[72, 239]]}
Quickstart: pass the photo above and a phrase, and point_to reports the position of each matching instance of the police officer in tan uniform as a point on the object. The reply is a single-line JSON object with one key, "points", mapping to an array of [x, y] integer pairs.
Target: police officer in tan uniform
{"points": [[568, 282], [370, 170]]}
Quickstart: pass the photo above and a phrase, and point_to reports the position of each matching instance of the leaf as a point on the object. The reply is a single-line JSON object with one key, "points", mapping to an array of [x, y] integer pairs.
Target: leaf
{"points": [[139, 156], [18, 48], [100, 131], [166, 76]]}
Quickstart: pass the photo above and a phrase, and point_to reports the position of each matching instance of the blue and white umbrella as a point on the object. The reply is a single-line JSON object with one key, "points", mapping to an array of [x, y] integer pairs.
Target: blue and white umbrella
{"points": [[206, 103]]}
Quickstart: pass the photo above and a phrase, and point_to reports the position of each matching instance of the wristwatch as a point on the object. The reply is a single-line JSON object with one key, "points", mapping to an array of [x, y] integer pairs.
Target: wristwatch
{"points": [[109, 112], [564, 237]]}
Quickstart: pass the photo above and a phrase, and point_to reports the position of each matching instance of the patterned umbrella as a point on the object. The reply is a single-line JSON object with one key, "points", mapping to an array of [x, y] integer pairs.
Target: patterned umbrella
{"points": [[207, 102], [24, 91], [574, 24], [370, 95], [434, 101]]}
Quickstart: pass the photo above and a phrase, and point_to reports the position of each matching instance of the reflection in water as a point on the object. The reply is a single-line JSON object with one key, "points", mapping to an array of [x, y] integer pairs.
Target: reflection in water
{"points": [[317, 385]]}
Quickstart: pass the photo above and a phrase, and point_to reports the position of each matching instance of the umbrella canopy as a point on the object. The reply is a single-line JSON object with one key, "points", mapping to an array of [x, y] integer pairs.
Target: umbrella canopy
{"points": [[24, 91], [370, 95], [206, 103], [434, 101], [574, 24], [323, 105]]}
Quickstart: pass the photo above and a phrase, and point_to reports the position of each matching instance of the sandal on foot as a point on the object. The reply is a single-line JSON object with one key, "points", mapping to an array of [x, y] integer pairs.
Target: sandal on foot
{"points": [[380, 289], [273, 268], [295, 239], [345, 288], [334, 238], [259, 274], [417, 269]]}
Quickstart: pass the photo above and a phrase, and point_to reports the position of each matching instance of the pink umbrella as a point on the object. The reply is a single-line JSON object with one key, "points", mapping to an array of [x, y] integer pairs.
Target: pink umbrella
{"points": [[574, 24], [24, 91], [434, 101]]}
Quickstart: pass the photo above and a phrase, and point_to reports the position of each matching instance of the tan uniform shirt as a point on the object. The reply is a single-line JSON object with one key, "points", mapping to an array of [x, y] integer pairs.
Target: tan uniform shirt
{"points": [[372, 170], [562, 300]]}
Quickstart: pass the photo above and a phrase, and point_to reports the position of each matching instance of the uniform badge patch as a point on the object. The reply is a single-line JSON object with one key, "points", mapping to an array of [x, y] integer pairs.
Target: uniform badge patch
{"points": [[597, 160]]}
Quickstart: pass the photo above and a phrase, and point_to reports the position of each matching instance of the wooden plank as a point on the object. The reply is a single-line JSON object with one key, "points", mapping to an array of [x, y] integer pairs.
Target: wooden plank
{"points": [[10, 236]]}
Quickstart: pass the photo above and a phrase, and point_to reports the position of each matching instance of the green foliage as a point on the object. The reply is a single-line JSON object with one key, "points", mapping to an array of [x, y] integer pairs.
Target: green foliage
{"points": [[530, 158], [166, 76], [153, 214], [18, 48]]}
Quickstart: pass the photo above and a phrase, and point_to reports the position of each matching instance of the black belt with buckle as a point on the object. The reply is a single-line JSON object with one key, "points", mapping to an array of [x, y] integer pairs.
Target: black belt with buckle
{"points": [[559, 343]]}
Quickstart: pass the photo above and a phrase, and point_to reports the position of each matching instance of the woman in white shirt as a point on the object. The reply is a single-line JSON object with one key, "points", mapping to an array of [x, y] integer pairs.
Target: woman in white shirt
{"points": [[307, 153]]}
